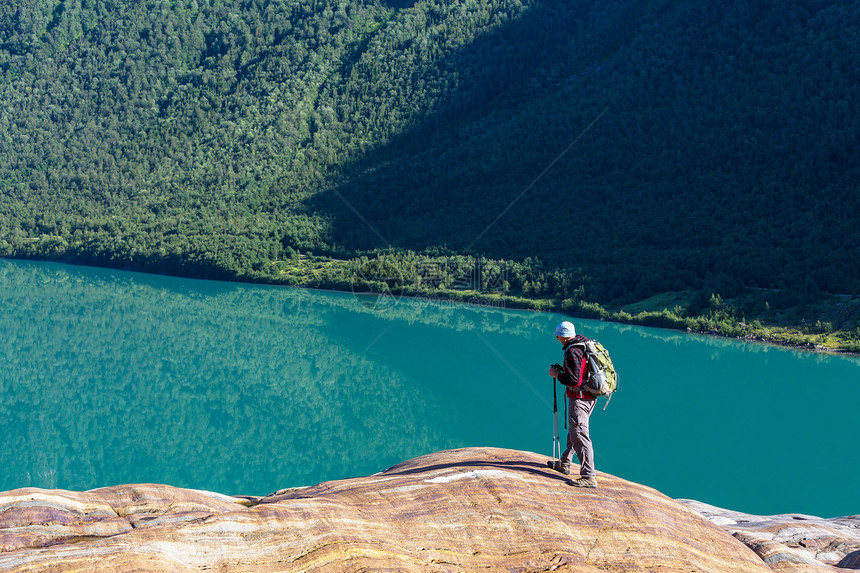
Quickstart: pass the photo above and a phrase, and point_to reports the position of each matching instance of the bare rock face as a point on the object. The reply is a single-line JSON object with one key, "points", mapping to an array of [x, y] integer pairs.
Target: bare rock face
{"points": [[462, 510], [792, 543]]}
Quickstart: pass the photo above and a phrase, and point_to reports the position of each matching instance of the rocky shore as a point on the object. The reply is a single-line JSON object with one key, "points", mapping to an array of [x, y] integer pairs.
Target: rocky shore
{"points": [[474, 509]]}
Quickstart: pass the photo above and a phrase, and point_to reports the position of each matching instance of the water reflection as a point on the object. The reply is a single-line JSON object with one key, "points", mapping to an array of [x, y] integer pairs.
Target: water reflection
{"points": [[114, 378]]}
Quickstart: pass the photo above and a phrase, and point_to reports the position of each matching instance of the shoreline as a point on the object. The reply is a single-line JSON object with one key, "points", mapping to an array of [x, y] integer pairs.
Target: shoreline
{"points": [[479, 300], [483, 301], [809, 347]]}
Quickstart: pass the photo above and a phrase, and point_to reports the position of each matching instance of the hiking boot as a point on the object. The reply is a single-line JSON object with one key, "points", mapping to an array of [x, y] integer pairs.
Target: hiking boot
{"points": [[583, 482], [559, 466]]}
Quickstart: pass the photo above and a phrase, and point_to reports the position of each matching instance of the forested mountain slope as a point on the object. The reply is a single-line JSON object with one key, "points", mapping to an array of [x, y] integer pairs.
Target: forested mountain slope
{"points": [[728, 146], [608, 151]]}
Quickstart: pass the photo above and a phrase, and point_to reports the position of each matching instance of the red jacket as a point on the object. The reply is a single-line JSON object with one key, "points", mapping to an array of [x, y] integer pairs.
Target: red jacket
{"points": [[575, 369]]}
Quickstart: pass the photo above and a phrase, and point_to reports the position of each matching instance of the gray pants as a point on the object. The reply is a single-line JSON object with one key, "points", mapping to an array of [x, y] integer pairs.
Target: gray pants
{"points": [[578, 440]]}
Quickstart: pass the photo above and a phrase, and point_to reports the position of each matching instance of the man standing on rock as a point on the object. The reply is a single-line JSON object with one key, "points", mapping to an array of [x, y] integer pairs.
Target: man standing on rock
{"points": [[580, 405]]}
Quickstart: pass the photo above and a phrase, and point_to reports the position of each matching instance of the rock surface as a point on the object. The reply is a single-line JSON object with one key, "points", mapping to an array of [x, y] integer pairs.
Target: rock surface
{"points": [[461, 510], [792, 543]]}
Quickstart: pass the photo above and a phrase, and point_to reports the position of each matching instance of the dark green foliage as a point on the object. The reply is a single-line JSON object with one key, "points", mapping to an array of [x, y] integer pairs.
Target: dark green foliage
{"points": [[231, 139]]}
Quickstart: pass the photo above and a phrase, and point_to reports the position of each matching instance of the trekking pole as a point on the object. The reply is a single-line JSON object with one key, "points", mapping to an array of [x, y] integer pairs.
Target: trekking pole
{"points": [[556, 444]]}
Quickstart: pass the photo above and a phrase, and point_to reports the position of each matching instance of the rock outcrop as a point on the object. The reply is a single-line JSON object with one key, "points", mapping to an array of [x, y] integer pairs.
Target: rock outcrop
{"points": [[792, 542], [461, 510]]}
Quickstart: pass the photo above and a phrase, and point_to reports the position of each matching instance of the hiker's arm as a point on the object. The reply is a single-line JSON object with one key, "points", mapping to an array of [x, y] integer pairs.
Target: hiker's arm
{"points": [[571, 375], [567, 379]]}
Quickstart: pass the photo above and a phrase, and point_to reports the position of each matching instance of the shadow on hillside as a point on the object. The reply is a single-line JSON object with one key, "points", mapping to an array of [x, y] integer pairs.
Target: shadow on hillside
{"points": [[449, 176], [704, 166]]}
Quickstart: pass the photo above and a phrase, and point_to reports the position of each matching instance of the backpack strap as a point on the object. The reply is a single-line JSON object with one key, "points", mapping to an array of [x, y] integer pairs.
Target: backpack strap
{"points": [[583, 369]]}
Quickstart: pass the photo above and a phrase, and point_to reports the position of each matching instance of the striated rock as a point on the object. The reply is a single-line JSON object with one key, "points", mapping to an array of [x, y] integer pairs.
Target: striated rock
{"points": [[792, 543], [462, 510], [33, 517]]}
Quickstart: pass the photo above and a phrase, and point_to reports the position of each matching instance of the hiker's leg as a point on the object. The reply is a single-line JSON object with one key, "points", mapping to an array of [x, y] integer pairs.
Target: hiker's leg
{"points": [[580, 412], [567, 456]]}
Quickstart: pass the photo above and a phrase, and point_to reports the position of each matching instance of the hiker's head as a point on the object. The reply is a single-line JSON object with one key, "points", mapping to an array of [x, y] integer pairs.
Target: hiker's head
{"points": [[565, 331]]}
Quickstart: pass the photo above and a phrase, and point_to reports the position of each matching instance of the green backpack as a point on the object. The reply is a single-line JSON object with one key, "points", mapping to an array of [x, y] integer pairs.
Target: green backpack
{"points": [[601, 380]]}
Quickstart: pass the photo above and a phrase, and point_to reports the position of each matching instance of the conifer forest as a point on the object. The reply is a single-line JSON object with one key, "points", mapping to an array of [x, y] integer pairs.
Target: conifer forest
{"points": [[685, 165]]}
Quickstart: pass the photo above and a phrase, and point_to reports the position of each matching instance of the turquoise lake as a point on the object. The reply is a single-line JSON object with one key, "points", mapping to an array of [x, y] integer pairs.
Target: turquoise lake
{"points": [[112, 377]]}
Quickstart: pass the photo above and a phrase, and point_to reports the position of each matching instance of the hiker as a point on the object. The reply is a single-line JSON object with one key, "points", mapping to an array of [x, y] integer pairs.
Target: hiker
{"points": [[580, 404]]}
